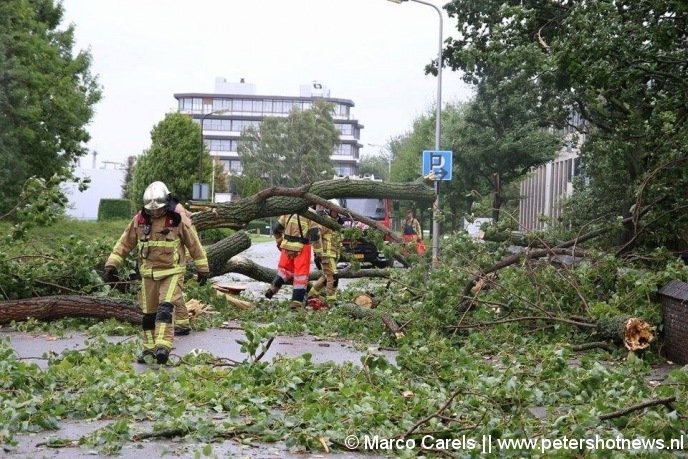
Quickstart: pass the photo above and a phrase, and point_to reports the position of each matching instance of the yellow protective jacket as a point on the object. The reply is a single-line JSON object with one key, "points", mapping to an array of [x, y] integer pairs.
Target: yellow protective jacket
{"points": [[162, 245], [331, 242], [293, 231]]}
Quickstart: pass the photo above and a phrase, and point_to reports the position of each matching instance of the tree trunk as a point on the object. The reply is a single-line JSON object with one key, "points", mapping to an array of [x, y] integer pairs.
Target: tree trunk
{"points": [[56, 307], [635, 334], [242, 265], [278, 201], [223, 250]]}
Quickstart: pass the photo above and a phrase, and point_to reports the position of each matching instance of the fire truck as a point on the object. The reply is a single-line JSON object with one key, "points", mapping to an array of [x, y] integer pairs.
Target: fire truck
{"points": [[359, 247]]}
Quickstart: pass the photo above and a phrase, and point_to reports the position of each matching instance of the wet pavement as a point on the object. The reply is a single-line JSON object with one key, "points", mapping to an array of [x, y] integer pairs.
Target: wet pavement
{"points": [[219, 342]]}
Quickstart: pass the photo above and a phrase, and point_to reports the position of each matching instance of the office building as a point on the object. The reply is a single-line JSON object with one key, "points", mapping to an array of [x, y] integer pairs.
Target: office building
{"points": [[234, 107]]}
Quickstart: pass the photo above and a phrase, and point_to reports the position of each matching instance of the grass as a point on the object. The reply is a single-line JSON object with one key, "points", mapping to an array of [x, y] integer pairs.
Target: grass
{"points": [[86, 230]]}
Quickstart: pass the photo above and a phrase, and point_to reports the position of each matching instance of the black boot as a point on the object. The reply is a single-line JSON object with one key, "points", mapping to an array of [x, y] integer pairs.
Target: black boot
{"points": [[269, 293], [181, 331], [142, 356], [162, 354]]}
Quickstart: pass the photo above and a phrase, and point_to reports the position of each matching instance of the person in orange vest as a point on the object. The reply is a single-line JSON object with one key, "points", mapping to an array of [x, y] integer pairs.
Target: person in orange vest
{"points": [[162, 235], [296, 236], [412, 232]]}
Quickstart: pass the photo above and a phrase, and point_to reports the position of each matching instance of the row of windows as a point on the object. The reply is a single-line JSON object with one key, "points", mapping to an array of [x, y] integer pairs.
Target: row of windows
{"points": [[233, 145], [234, 166], [223, 144], [227, 125], [346, 149], [231, 165], [240, 125], [198, 105]]}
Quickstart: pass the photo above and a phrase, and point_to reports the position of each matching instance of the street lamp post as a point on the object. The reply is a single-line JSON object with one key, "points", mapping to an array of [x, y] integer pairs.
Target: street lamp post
{"points": [[200, 156], [438, 125]]}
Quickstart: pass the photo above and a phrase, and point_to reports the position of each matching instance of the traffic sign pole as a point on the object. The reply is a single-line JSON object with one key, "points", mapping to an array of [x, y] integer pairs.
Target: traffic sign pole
{"points": [[437, 164]]}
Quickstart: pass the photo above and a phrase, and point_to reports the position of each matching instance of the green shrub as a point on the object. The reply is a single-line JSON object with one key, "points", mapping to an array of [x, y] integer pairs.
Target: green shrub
{"points": [[213, 235], [260, 226], [111, 209]]}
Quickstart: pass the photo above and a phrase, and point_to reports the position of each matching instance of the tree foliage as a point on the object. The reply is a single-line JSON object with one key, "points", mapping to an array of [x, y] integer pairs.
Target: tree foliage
{"points": [[375, 165], [173, 158], [622, 67], [291, 151], [46, 95]]}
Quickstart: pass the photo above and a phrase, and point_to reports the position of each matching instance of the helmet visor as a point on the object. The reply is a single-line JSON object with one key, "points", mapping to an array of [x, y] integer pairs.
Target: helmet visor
{"points": [[155, 203]]}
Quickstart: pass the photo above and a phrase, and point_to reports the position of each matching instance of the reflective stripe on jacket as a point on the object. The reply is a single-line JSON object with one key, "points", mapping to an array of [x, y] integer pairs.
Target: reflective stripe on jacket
{"points": [[296, 232], [162, 245], [331, 243]]}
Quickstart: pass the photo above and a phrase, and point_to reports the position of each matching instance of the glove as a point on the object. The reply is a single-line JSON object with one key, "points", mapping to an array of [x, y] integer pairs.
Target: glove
{"points": [[318, 262], [202, 278], [291, 254], [110, 275]]}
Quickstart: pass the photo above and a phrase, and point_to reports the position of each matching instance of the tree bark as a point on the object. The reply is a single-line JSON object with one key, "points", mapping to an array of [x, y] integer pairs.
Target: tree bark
{"points": [[56, 307], [222, 251], [278, 201], [242, 265]]}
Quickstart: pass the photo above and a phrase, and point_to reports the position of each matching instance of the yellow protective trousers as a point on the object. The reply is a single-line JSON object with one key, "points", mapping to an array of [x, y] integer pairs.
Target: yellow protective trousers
{"points": [[160, 298], [329, 269]]}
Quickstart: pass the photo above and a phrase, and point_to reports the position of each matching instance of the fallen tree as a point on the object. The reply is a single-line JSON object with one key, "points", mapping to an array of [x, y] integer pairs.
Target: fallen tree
{"points": [[57, 307], [276, 201]]}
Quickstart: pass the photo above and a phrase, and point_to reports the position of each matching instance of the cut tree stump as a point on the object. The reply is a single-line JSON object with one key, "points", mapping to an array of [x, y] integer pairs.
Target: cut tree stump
{"points": [[634, 333]]}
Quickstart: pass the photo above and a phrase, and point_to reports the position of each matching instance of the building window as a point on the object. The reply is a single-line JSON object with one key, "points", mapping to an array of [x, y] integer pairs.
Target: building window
{"points": [[345, 129], [344, 149], [222, 144], [344, 170], [231, 166]]}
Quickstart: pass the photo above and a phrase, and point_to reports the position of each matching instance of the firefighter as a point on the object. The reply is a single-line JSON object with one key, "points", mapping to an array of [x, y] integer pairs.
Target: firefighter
{"points": [[326, 258], [296, 236], [412, 232], [162, 235]]}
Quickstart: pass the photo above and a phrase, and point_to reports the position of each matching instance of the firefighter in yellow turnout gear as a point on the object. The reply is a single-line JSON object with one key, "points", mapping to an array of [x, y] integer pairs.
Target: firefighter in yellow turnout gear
{"points": [[326, 258], [163, 236]]}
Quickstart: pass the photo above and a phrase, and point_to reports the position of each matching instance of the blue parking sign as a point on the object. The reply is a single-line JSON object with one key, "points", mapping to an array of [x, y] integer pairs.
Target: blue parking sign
{"points": [[438, 162]]}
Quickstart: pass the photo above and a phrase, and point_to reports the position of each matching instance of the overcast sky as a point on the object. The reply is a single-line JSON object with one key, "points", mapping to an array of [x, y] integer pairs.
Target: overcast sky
{"points": [[372, 52]]}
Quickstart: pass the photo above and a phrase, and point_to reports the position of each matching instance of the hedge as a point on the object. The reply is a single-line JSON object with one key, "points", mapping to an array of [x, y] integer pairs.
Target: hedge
{"points": [[111, 209]]}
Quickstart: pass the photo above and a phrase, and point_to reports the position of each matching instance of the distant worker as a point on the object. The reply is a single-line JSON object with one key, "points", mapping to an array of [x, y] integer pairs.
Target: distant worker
{"points": [[413, 233], [296, 237], [163, 234], [326, 258]]}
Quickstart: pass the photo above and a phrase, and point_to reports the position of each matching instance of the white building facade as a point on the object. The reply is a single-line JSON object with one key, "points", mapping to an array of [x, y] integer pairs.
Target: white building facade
{"points": [[240, 107], [543, 192]]}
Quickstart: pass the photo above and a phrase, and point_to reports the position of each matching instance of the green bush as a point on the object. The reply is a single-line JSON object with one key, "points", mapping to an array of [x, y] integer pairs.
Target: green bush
{"points": [[262, 227], [213, 235], [111, 209]]}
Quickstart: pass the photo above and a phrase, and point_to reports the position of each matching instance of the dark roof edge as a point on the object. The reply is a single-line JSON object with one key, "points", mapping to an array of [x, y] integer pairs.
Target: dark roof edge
{"points": [[254, 96]]}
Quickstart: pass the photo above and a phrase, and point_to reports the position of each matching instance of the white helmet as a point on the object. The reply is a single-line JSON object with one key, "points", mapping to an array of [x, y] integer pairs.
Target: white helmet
{"points": [[334, 201], [155, 197]]}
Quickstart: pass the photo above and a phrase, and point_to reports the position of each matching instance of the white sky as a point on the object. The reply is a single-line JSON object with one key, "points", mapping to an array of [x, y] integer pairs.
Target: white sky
{"points": [[372, 52]]}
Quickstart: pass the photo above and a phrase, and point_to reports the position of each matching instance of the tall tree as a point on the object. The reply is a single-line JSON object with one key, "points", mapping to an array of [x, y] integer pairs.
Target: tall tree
{"points": [[621, 65], [172, 158], [375, 165], [291, 151], [46, 95], [499, 142]]}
